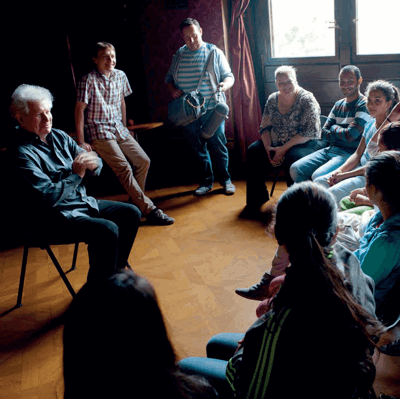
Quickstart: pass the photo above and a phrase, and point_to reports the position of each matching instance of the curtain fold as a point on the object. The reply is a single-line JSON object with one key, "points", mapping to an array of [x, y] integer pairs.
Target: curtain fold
{"points": [[246, 103]]}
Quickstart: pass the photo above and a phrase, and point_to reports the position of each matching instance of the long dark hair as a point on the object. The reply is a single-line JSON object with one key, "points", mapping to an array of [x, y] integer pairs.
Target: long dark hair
{"points": [[116, 344], [390, 136], [382, 171], [306, 223]]}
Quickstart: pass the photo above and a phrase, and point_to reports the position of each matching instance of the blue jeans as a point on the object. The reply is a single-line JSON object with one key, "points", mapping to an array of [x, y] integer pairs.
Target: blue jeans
{"points": [[343, 188], [209, 151], [220, 349], [318, 164]]}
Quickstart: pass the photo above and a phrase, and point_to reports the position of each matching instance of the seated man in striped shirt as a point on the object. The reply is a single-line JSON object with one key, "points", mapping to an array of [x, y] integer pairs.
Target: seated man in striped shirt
{"points": [[100, 119], [342, 130], [183, 77]]}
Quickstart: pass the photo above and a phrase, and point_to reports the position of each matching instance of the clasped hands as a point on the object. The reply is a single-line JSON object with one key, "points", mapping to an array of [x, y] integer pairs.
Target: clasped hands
{"points": [[276, 155], [359, 197], [85, 161], [335, 177]]}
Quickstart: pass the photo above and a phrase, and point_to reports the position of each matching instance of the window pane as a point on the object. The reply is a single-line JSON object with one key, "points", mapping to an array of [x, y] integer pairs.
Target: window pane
{"points": [[378, 27], [302, 28]]}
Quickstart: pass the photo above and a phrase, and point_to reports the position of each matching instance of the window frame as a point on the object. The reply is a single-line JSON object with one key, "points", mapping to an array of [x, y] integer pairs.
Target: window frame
{"points": [[366, 58], [298, 60], [345, 38]]}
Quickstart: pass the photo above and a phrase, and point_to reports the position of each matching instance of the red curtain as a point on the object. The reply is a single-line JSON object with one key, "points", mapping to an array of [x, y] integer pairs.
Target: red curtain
{"points": [[246, 103]]}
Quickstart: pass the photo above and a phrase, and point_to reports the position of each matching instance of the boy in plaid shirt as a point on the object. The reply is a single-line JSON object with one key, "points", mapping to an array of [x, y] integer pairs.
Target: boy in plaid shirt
{"points": [[100, 117]]}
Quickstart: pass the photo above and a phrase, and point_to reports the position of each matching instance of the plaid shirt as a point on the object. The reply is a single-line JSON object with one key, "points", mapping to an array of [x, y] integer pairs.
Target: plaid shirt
{"points": [[103, 97]]}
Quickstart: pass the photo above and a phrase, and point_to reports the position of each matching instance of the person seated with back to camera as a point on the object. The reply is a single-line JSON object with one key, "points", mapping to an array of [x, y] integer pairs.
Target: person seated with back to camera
{"points": [[116, 345], [381, 97], [318, 337], [290, 129], [377, 251], [100, 119], [50, 170], [342, 130]]}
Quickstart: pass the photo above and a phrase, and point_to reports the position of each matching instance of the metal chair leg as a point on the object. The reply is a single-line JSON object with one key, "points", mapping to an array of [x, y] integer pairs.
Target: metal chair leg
{"points": [[60, 270], [22, 276], [73, 267], [275, 180]]}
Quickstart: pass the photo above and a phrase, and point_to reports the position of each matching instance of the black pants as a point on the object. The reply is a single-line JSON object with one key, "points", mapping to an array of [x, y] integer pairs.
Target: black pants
{"points": [[109, 235], [258, 168]]}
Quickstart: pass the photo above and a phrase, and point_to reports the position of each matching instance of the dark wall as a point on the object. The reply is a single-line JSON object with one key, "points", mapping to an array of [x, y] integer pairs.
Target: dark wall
{"points": [[45, 40], [50, 44]]}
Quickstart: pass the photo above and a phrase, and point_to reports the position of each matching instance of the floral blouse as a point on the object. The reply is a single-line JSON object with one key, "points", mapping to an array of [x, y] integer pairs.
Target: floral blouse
{"points": [[302, 119]]}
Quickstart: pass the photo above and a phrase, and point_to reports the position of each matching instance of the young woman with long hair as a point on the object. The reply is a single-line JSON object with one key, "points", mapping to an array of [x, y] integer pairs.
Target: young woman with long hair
{"points": [[116, 345], [317, 340]]}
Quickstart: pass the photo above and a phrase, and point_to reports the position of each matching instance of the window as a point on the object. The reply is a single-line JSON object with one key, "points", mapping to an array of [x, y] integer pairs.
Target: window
{"points": [[303, 28], [377, 27]]}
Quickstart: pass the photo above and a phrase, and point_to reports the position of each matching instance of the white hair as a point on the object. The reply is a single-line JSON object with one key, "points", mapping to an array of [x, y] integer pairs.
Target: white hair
{"points": [[25, 94], [286, 70]]}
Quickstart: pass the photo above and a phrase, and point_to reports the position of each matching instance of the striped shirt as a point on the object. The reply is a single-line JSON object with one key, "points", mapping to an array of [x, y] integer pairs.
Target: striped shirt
{"points": [[266, 357], [103, 96], [189, 71], [345, 124]]}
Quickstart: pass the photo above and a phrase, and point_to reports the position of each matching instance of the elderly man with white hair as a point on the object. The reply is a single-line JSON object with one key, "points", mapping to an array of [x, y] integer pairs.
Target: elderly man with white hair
{"points": [[51, 168]]}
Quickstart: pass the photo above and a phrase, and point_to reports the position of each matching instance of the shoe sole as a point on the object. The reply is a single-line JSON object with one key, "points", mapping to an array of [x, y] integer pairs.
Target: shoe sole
{"points": [[258, 298], [202, 194]]}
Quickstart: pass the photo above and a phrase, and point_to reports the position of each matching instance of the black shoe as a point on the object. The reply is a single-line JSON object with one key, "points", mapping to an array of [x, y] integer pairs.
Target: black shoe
{"points": [[257, 292], [158, 218], [250, 212]]}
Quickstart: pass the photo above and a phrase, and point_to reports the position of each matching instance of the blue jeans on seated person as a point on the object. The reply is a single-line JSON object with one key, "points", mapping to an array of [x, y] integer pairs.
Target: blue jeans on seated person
{"points": [[209, 151], [343, 188], [220, 349], [319, 163]]}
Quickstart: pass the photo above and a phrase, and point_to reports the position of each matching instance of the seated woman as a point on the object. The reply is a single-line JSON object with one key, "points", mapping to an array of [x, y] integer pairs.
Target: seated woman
{"points": [[290, 129], [382, 97], [116, 345], [378, 252], [317, 340], [388, 140]]}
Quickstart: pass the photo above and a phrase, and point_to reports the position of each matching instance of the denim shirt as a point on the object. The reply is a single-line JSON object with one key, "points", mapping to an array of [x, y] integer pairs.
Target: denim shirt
{"points": [[47, 180], [379, 254]]}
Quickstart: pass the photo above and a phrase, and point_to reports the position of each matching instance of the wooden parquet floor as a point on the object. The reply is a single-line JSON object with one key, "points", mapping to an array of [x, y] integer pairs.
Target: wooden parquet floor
{"points": [[195, 265]]}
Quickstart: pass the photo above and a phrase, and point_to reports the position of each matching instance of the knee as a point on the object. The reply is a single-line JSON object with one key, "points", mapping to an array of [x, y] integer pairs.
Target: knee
{"points": [[256, 152], [146, 162], [322, 180], [294, 172], [133, 214], [107, 232]]}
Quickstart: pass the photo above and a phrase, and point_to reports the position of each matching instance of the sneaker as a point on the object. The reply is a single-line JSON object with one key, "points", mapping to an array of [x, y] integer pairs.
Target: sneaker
{"points": [[158, 218], [229, 188], [257, 292], [202, 190]]}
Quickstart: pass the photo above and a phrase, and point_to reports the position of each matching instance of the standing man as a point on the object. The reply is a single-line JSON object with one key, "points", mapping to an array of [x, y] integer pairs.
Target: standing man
{"points": [[101, 109], [183, 77], [50, 167], [343, 130]]}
